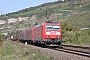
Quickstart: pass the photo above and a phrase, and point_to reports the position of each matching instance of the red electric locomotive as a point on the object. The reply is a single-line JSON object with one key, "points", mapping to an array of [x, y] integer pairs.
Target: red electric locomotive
{"points": [[46, 33]]}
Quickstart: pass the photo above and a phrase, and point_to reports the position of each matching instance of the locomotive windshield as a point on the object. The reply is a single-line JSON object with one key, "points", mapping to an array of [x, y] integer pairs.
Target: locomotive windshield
{"points": [[52, 27], [56, 27], [49, 27]]}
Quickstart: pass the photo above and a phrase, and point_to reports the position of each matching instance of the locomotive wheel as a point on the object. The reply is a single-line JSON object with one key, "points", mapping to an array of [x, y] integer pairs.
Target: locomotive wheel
{"points": [[31, 43], [44, 45]]}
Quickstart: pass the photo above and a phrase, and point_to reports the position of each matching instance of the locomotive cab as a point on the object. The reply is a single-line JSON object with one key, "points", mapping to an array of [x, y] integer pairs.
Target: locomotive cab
{"points": [[53, 33]]}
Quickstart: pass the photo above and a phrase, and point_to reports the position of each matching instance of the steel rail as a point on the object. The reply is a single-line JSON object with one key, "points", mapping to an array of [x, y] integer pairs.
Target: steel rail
{"points": [[74, 51], [76, 46]]}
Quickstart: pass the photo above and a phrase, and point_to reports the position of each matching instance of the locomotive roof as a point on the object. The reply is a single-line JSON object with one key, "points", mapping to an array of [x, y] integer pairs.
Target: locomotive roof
{"points": [[50, 21]]}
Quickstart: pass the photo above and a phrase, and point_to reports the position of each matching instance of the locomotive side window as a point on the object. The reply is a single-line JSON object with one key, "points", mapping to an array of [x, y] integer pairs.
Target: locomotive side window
{"points": [[56, 27]]}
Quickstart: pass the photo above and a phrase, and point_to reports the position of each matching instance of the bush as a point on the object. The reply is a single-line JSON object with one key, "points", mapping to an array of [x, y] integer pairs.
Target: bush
{"points": [[77, 37], [1, 40]]}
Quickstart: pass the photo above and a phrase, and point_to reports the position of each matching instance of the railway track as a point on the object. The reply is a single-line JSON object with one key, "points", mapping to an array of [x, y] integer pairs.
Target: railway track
{"points": [[78, 50]]}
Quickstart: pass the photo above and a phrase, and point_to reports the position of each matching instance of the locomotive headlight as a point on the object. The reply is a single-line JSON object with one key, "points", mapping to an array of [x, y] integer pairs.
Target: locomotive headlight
{"points": [[48, 33], [48, 36], [58, 36], [57, 33]]}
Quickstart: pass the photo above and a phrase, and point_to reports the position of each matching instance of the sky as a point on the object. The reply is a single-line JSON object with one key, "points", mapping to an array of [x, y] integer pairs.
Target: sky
{"points": [[8, 6]]}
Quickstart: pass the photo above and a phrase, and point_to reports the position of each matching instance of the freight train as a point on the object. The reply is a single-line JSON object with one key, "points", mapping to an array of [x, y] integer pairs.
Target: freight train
{"points": [[44, 34]]}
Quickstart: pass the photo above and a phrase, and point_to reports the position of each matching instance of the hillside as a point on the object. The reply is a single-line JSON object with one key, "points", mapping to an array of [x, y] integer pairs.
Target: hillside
{"points": [[72, 14], [59, 10]]}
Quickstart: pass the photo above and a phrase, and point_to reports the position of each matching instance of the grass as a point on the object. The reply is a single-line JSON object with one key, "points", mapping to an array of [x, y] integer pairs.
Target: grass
{"points": [[17, 51]]}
